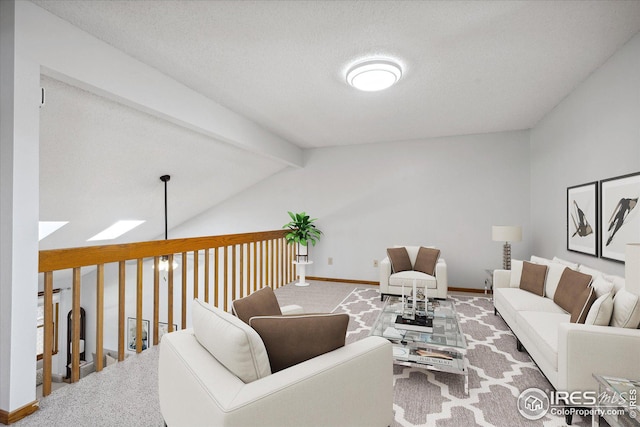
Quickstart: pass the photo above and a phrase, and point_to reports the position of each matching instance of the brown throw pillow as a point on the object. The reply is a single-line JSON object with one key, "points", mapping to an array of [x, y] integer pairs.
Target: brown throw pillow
{"points": [[570, 286], [292, 339], [533, 278], [260, 303], [426, 260], [582, 305], [399, 258]]}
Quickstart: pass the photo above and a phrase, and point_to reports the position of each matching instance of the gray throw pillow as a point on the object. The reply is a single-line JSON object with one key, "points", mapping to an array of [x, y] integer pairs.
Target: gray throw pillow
{"points": [[570, 286], [399, 258], [426, 260], [262, 302], [292, 339], [582, 305], [533, 277]]}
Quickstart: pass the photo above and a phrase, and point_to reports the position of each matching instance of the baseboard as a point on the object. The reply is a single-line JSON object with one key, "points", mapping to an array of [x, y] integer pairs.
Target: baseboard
{"points": [[369, 282], [356, 282], [18, 414]]}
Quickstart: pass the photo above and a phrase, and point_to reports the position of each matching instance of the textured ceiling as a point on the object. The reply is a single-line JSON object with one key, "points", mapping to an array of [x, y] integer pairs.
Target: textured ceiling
{"points": [[101, 162], [469, 67]]}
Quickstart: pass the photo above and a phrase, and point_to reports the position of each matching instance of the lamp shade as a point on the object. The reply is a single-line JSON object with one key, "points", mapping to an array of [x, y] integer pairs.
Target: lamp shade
{"points": [[506, 233]]}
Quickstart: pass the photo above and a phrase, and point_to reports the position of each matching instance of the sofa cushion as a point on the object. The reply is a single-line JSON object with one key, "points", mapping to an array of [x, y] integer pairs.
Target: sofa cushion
{"points": [[406, 278], [542, 329], [516, 273], [533, 277], [582, 305], [600, 311], [571, 284], [262, 302], [426, 260], [626, 310], [399, 259], [510, 301], [553, 278], [618, 282], [571, 265], [293, 339], [232, 342], [601, 285], [590, 271]]}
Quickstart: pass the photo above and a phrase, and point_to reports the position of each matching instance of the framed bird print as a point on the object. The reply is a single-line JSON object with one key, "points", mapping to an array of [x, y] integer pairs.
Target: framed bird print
{"points": [[620, 215], [582, 218]]}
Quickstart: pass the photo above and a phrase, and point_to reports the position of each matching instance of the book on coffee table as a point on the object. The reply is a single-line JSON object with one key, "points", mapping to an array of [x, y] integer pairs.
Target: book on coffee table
{"points": [[418, 325]]}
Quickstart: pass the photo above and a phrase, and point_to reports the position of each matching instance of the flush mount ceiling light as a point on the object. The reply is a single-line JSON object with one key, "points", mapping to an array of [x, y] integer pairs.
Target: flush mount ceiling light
{"points": [[374, 75]]}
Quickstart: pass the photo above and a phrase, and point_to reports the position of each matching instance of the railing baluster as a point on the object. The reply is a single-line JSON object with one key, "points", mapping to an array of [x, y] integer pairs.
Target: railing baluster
{"points": [[225, 283], [241, 271], [234, 249], [272, 266], [99, 316], [156, 298], [48, 333], [277, 282], [75, 327], [206, 275], [262, 266], [139, 307], [195, 274], [184, 290], [255, 266], [216, 277], [170, 294], [121, 309]]}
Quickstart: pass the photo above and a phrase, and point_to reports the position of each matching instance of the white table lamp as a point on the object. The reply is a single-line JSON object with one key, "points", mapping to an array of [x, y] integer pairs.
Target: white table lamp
{"points": [[506, 234]]}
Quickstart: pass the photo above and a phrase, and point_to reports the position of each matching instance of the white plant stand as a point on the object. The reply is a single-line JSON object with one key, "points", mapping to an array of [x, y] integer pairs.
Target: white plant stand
{"points": [[302, 266]]}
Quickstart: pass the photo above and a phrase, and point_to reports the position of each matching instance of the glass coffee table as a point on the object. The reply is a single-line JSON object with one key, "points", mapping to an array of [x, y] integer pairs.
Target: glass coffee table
{"points": [[441, 347]]}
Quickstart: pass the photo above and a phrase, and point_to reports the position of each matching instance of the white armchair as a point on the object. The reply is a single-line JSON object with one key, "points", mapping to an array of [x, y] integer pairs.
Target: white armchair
{"points": [[349, 386], [391, 283]]}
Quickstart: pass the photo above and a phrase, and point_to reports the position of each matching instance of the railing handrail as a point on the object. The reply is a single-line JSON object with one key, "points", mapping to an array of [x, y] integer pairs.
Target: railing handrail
{"points": [[246, 262], [61, 259]]}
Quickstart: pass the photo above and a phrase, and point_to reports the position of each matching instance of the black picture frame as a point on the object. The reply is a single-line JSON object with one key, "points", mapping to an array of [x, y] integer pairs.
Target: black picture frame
{"points": [[619, 214], [582, 218], [163, 328], [131, 334]]}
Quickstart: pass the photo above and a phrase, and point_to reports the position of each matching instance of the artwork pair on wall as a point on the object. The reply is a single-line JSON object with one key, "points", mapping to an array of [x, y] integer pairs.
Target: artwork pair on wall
{"points": [[604, 229]]}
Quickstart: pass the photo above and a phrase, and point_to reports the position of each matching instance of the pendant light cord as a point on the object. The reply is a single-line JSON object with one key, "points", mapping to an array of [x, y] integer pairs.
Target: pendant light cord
{"points": [[165, 179]]}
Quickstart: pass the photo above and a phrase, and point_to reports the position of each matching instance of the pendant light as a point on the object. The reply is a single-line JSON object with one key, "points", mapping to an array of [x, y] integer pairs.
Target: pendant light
{"points": [[164, 261]]}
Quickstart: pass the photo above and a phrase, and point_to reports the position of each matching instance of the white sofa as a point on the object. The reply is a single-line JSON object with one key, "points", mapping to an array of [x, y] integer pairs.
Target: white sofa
{"points": [[391, 284], [349, 386], [567, 353]]}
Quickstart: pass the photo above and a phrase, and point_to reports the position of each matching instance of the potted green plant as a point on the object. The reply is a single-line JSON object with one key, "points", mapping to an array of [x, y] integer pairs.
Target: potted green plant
{"points": [[302, 231]]}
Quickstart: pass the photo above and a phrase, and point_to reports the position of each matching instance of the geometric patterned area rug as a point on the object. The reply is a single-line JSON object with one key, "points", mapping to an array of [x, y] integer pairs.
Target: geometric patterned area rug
{"points": [[498, 373]]}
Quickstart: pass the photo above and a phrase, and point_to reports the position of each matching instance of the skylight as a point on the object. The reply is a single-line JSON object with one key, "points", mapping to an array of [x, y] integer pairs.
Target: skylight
{"points": [[47, 227], [116, 230]]}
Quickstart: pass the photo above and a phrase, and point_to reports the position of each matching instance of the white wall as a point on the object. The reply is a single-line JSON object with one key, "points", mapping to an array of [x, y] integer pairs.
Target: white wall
{"points": [[593, 134], [19, 118], [446, 192]]}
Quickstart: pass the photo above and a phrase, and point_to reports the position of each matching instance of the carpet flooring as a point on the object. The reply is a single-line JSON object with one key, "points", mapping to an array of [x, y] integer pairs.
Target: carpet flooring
{"points": [[125, 394]]}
